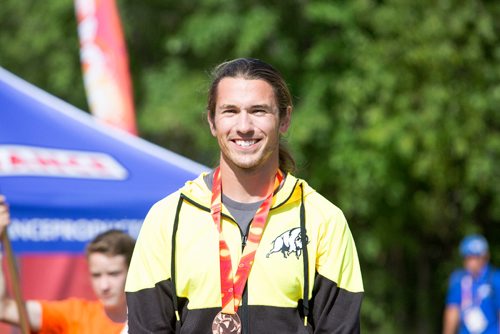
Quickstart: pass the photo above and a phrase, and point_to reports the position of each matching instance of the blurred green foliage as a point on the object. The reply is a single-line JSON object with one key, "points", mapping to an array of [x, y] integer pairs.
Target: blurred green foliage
{"points": [[396, 114]]}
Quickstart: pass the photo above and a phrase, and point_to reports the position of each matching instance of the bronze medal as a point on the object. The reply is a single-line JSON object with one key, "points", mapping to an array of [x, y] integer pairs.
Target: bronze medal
{"points": [[225, 323]]}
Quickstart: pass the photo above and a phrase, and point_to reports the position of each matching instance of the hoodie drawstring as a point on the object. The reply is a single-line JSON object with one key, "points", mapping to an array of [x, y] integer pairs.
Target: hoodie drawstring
{"points": [[172, 267], [305, 301]]}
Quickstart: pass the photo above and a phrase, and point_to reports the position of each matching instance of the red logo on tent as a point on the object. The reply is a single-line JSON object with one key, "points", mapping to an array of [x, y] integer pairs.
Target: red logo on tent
{"points": [[38, 161]]}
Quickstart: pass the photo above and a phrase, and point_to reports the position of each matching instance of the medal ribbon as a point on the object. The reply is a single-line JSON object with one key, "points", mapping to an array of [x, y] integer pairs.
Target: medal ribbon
{"points": [[469, 299], [466, 285], [232, 288]]}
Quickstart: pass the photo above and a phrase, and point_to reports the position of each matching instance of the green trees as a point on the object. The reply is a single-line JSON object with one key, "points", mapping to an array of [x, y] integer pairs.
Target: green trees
{"points": [[395, 120], [39, 42]]}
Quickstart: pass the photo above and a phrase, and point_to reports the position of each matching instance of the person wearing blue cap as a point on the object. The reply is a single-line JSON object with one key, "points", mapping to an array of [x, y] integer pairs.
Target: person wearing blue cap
{"points": [[473, 300]]}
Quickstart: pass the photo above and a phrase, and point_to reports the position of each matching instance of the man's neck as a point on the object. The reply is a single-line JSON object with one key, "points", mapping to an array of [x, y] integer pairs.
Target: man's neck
{"points": [[247, 185], [117, 314]]}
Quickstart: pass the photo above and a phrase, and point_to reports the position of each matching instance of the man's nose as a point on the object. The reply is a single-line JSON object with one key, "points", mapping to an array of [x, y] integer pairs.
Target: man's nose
{"points": [[103, 283], [244, 122]]}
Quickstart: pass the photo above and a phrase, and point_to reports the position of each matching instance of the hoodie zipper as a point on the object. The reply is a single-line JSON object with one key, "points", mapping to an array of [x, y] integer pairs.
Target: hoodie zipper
{"points": [[245, 325]]}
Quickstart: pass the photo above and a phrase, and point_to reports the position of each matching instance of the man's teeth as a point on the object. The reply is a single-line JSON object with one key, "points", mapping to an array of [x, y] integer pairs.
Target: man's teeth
{"points": [[245, 143]]}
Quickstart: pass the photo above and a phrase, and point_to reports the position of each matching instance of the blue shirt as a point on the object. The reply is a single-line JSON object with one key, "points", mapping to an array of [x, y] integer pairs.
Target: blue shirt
{"points": [[483, 291]]}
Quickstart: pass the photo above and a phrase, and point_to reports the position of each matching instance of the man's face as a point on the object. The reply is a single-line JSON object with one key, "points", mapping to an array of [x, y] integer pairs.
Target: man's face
{"points": [[475, 263], [247, 124], [108, 275]]}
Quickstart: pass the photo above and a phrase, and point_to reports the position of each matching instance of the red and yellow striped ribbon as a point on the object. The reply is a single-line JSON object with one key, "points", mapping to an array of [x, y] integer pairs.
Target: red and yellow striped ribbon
{"points": [[232, 287]]}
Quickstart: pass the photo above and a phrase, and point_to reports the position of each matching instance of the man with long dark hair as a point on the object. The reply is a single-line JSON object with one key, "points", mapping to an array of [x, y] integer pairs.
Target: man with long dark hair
{"points": [[248, 247]]}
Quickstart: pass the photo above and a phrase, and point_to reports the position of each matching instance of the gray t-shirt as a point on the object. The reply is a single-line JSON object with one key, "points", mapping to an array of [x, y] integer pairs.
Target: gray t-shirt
{"points": [[243, 213]]}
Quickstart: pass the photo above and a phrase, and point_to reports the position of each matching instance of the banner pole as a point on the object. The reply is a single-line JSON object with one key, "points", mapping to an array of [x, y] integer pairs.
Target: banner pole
{"points": [[14, 277]]}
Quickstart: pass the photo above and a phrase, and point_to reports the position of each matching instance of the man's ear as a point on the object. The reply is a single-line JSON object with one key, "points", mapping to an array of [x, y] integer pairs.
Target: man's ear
{"points": [[211, 123], [286, 120]]}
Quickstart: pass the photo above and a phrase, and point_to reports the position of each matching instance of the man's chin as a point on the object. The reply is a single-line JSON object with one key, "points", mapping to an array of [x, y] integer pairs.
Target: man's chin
{"points": [[108, 302]]}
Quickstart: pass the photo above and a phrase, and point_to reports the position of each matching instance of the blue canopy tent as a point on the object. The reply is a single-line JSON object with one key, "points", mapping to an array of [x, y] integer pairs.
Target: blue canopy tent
{"points": [[67, 177]]}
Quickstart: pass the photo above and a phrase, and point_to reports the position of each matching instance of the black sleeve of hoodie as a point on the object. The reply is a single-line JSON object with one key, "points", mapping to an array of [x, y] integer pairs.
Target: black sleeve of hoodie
{"points": [[334, 310], [151, 310]]}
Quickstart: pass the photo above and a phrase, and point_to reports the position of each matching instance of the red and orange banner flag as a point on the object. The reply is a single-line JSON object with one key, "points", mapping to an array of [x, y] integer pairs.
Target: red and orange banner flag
{"points": [[104, 61]]}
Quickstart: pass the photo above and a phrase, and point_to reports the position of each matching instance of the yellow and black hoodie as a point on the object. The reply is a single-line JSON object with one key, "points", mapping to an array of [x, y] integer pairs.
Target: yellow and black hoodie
{"points": [[173, 284]]}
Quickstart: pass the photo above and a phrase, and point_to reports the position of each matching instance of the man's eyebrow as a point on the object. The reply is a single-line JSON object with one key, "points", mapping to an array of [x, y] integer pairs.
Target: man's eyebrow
{"points": [[261, 106], [255, 106], [227, 106]]}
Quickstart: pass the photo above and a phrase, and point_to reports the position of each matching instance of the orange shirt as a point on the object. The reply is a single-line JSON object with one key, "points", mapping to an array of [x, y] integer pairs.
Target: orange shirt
{"points": [[74, 316]]}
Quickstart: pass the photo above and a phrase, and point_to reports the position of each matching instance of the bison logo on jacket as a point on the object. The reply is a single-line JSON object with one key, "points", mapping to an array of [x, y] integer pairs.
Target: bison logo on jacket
{"points": [[289, 242]]}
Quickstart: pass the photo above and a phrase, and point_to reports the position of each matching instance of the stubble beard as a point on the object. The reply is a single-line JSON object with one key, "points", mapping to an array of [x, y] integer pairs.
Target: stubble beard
{"points": [[247, 162]]}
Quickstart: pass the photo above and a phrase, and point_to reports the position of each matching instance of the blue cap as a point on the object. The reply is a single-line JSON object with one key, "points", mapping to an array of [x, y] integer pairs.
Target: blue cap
{"points": [[473, 245]]}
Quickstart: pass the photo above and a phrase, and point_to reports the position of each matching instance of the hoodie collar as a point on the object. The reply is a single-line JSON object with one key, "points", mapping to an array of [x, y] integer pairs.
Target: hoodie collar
{"points": [[198, 192]]}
